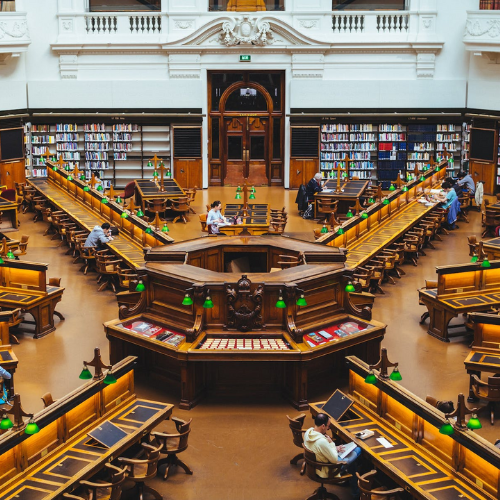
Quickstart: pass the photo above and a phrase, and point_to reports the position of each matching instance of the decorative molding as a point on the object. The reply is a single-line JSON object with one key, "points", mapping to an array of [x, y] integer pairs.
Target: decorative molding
{"points": [[14, 28], [14, 35], [476, 28], [246, 31], [308, 24], [184, 24], [68, 66], [426, 64], [192, 76]]}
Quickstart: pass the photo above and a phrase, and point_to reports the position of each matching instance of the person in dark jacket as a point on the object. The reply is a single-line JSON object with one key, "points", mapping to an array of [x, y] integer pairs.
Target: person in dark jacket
{"points": [[314, 186]]}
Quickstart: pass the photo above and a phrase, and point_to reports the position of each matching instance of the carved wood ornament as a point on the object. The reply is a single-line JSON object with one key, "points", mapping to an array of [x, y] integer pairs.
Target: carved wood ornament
{"points": [[244, 307]]}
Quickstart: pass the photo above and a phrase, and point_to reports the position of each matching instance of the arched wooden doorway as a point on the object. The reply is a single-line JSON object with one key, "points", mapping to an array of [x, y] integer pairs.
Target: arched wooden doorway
{"points": [[246, 129]]}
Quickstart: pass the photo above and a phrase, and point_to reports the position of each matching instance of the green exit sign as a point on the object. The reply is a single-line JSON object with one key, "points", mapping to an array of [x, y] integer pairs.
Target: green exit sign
{"points": [[246, 58]]}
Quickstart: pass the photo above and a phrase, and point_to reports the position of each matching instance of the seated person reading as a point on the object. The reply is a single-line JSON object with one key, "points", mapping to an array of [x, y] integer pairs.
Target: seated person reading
{"points": [[465, 181], [448, 196], [321, 444], [314, 186], [99, 236], [215, 219], [4, 397]]}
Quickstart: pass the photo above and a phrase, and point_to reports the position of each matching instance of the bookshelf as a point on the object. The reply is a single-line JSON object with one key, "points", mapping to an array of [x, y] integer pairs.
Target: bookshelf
{"points": [[392, 152], [498, 161], [118, 151], [465, 145], [357, 140], [449, 136]]}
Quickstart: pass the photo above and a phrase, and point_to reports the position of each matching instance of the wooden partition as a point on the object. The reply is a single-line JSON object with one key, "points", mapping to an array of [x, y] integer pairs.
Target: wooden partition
{"points": [[63, 436], [427, 464], [378, 213], [24, 275], [133, 227]]}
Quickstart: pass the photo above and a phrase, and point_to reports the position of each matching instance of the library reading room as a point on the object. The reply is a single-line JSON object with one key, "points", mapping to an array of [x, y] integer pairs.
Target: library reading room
{"points": [[249, 249]]}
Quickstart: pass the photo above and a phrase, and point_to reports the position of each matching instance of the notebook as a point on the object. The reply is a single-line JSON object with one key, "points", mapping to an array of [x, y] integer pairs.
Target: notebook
{"points": [[347, 449]]}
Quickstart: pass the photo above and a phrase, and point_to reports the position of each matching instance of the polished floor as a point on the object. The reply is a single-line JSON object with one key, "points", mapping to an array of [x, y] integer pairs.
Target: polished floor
{"points": [[239, 449]]}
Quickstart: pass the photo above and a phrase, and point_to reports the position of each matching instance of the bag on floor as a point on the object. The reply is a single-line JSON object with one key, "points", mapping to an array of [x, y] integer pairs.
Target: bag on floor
{"points": [[309, 213]]}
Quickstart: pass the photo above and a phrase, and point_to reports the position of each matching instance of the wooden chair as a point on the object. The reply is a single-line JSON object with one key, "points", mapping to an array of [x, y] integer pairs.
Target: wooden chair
{"points": [[88, 255], [387, 258], [129, 191], [491, 221], [287, 261], [398, 249], [126, 277], [490, 391], [39, 205], [296, 425], [428, 284], [377, 268], [172, 444], [56, 282], [368, 492], [333, 475], [363, 277], [191, 195], [276, 227], [23, 246], [203, 222], [110, 490], [181, 206], [411, 249], [156, 205], [325, 207], [107, 267], [276, 212], [140, 470], [483, 210], [47, 399], [472, 242], [28, 194]]}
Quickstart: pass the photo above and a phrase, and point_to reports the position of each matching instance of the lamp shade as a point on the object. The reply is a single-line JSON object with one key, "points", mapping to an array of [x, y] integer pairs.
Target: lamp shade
{"points": [[54, 168], [238, 196], [340, 232], [31, 428], [437, 168], [280, 304], [85, 375], [301, 301], [82, 177], [10, 255], [446, 429], [1, 260], [485, 263], [150, 163], [155, 173], [187, 300], [208, 304], [252, 196], [371, 378], [371, 200], [148, 230], [124, 215], [99, 188], [253, 189], [86, 189], [349, 287], [324, 229], [238, 189], [349, 214], [70, 177], [140, 213], [392, 188], [118, 199], [386, 202], [396, 375], [104, 200], [474, 259], [422, 178], [109, 378], [364, 215], [162, 164], [474, 422], [165, 229], [140, 287], [405, 189], [6, 423]]}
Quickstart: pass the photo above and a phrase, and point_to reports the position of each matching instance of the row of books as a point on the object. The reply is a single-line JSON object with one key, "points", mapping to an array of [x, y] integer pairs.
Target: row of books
{"points": [[489, 4], [340, 156], [346, 146]]}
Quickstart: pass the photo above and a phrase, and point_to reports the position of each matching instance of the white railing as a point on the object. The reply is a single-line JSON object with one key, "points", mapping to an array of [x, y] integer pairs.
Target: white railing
{"points": [[112, 24], [370, 23]]}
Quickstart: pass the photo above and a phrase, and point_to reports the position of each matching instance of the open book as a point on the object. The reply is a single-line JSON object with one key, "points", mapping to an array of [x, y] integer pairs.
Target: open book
{"points": [[347, 449]]}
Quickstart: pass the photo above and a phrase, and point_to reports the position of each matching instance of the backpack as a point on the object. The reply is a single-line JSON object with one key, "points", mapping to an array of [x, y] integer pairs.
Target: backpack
{"points": [[308, 213]]}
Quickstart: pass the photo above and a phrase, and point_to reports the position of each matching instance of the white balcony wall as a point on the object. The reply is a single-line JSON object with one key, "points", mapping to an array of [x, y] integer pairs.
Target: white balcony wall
{"points": [[415, 59]]}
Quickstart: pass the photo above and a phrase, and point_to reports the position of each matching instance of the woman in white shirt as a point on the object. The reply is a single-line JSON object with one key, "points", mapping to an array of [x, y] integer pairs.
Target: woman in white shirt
{"points": [[215, 218]]}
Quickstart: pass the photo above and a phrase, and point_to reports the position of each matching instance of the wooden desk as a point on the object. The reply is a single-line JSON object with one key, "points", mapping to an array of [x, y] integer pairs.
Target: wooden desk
{"points": [[485, 353], [9, 362], [9, 209], [149, 190], [351, 192], [46, 465], [24, 285], [427, 464], [244, 309], [494, 206], [255, 224], [461, 289], [492, 248]]}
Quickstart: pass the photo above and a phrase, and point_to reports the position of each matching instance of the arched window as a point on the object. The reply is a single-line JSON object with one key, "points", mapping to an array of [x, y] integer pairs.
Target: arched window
{"points": [[246, 99]]}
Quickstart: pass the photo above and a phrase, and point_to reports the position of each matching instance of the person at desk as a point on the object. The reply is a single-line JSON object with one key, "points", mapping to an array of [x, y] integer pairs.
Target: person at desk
{"points": [[4, 396], [321, 444], [466, 181], [215, 219], [448, 196], [99, 236], [314, 186]]}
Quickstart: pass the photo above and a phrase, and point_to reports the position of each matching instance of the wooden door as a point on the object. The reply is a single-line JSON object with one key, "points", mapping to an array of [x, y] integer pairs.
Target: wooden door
{"points": [[486, 172], [12, 172], [257, 150], [188, 172]]}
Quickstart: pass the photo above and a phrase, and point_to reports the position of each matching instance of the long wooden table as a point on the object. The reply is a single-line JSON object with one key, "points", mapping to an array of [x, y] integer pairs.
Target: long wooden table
{"points": [[492, 248], [461, 289], [351, 192], [46, 465], [427, 464], [24, 285], [147, 190], [255, 223]]}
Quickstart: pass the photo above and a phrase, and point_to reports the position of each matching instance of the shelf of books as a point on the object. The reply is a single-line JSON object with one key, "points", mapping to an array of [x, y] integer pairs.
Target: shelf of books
{"points": [[449, 137], [118, 153], [391, 152], [465, 145], [356, 140], [498, 162]]}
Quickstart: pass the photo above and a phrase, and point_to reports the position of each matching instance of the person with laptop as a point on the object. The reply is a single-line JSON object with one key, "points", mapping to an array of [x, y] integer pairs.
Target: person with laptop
{"points": [[321, 444]]}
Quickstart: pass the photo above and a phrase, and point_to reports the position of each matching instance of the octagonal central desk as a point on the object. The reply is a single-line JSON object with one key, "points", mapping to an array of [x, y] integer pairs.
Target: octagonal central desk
{"points": [[242, 323]]}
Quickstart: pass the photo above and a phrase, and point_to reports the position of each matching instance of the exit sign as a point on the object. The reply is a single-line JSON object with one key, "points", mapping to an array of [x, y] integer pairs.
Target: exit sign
{"points": [[246, 58]]}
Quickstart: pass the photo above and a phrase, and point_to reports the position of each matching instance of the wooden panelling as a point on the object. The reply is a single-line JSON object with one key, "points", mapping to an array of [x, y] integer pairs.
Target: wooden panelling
{"points": [[302, 170]]}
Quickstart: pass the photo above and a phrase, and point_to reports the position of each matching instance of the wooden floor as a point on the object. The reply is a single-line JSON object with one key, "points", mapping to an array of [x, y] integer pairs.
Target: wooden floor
{"points": [[240, 448]]}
